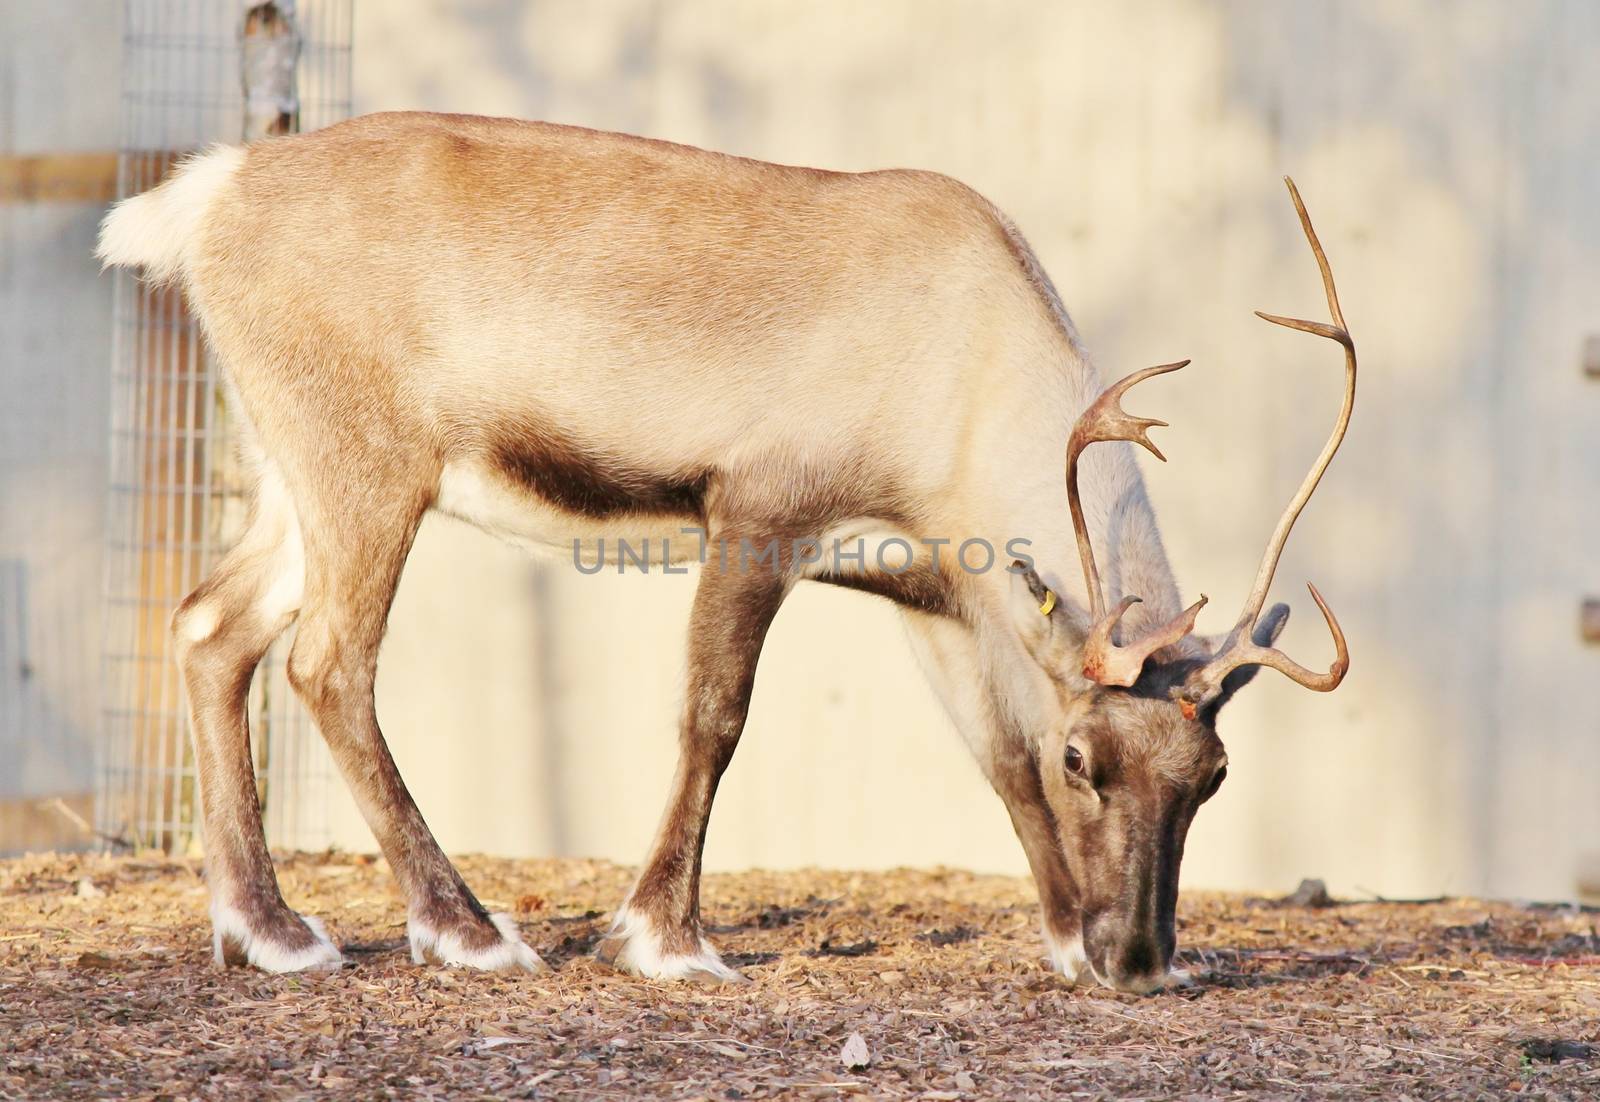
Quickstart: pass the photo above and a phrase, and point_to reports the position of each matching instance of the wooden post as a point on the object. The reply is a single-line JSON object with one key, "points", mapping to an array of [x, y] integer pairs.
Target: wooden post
{"points": [[270, 53]]}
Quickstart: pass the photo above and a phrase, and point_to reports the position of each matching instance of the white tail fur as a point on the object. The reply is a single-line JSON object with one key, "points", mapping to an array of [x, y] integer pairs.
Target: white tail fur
{"points": [[159, 229]]}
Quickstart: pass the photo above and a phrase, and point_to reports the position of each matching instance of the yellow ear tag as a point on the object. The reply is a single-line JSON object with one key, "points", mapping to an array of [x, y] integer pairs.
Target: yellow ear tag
{"points": [[1049, 603]]}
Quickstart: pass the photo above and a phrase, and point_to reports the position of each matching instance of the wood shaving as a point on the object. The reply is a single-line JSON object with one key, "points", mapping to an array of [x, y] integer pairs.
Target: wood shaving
{"points": [[108, 991]]}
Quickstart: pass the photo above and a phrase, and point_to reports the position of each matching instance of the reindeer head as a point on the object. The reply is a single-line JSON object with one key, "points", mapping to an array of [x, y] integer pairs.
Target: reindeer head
{"points": [[1136, 751]]}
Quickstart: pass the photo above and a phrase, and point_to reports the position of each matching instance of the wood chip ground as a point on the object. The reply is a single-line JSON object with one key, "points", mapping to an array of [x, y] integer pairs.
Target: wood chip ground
{"points": [[107, 990]]}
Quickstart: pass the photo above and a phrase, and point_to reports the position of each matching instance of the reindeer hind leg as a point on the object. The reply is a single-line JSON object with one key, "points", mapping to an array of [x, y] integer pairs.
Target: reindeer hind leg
{"points": [[357, 540], [221, 631]]}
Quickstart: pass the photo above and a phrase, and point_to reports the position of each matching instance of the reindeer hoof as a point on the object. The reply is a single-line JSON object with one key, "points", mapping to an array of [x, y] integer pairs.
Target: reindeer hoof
{"points": [[500, 951], [1180, 977], [1067, 958], [299, 944], [634, 946]]}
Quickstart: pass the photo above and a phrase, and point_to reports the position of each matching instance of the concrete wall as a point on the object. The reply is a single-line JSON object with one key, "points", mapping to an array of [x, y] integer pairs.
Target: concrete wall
{"points": [[1447, 155], [1447, 151], [58, 94]]}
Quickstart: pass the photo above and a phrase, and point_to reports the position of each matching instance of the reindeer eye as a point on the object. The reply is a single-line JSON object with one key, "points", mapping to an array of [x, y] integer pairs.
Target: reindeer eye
{"points": [[1216, 783], [1074, 761]]}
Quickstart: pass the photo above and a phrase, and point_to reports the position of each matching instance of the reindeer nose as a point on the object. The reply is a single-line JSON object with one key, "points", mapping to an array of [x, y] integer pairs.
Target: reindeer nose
{"points": [[1125, 959], [1135, 983], [1139, 958], [1135, 965]]}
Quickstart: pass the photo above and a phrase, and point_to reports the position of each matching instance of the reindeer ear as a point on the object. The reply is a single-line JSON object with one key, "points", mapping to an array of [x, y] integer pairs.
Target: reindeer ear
{"points": [[1268, 628], [1051, 628]]}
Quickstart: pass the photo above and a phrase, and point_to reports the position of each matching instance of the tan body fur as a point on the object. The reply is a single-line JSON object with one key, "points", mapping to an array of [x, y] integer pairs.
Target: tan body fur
{"points": [[557, 333]]}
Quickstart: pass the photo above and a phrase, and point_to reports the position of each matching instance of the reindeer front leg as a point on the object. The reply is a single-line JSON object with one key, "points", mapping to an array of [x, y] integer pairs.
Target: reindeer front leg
{"points": [[656, 932], [1014, 772], [948, 653]]}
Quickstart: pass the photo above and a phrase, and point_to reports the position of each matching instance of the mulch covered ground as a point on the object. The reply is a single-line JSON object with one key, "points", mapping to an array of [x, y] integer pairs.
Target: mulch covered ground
{"points": [[106, 989]]}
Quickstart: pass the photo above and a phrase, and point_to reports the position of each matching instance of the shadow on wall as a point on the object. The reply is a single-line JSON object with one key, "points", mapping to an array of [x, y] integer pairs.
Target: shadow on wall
{"points": [[1442, 150], [1470, 260], [58, 94], [48, 750]]}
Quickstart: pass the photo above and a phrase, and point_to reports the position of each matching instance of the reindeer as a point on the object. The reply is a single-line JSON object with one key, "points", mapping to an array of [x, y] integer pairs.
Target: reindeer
{"points": [[554, 333]]}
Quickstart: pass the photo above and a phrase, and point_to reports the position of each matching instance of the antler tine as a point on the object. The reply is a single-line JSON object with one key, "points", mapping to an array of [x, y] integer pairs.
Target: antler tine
{"points": [[1103, 660], [1105, 419], [1238, 649], [1108, 664], [1318, 682], [1322, 265]]}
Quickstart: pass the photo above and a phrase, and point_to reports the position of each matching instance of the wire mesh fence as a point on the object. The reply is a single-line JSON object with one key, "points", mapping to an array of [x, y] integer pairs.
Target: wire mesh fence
{"points": [[178, 495]]}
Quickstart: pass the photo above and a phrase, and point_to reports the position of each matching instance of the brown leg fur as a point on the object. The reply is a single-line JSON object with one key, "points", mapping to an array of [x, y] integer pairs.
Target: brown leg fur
{"points": [[657, 931], [1015, 774], [222, 630], [356, 546], [949, 656]]}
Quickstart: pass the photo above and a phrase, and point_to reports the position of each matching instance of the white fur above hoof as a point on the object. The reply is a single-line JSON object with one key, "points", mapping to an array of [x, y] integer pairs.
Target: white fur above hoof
{"points": [[1067, 958], [233, 942], [1180, 977], [633, 945], [509, 954]]}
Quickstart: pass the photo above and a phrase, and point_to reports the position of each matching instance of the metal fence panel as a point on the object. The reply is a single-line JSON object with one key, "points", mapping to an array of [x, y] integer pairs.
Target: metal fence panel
{"points": [[178, 496]]}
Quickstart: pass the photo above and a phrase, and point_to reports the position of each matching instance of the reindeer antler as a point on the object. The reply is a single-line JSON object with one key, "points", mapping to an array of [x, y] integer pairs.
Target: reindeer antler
{"points": [[1103, 660], [1239, 649]]}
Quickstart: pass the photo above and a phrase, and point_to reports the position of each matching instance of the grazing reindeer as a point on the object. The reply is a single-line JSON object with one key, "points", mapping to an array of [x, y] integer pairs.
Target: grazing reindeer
{"points": [[551, 332]]}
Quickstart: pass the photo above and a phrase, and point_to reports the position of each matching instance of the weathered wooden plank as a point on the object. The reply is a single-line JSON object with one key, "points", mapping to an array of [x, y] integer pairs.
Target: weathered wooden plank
{"points": [[61, 822], [58, 178]]}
